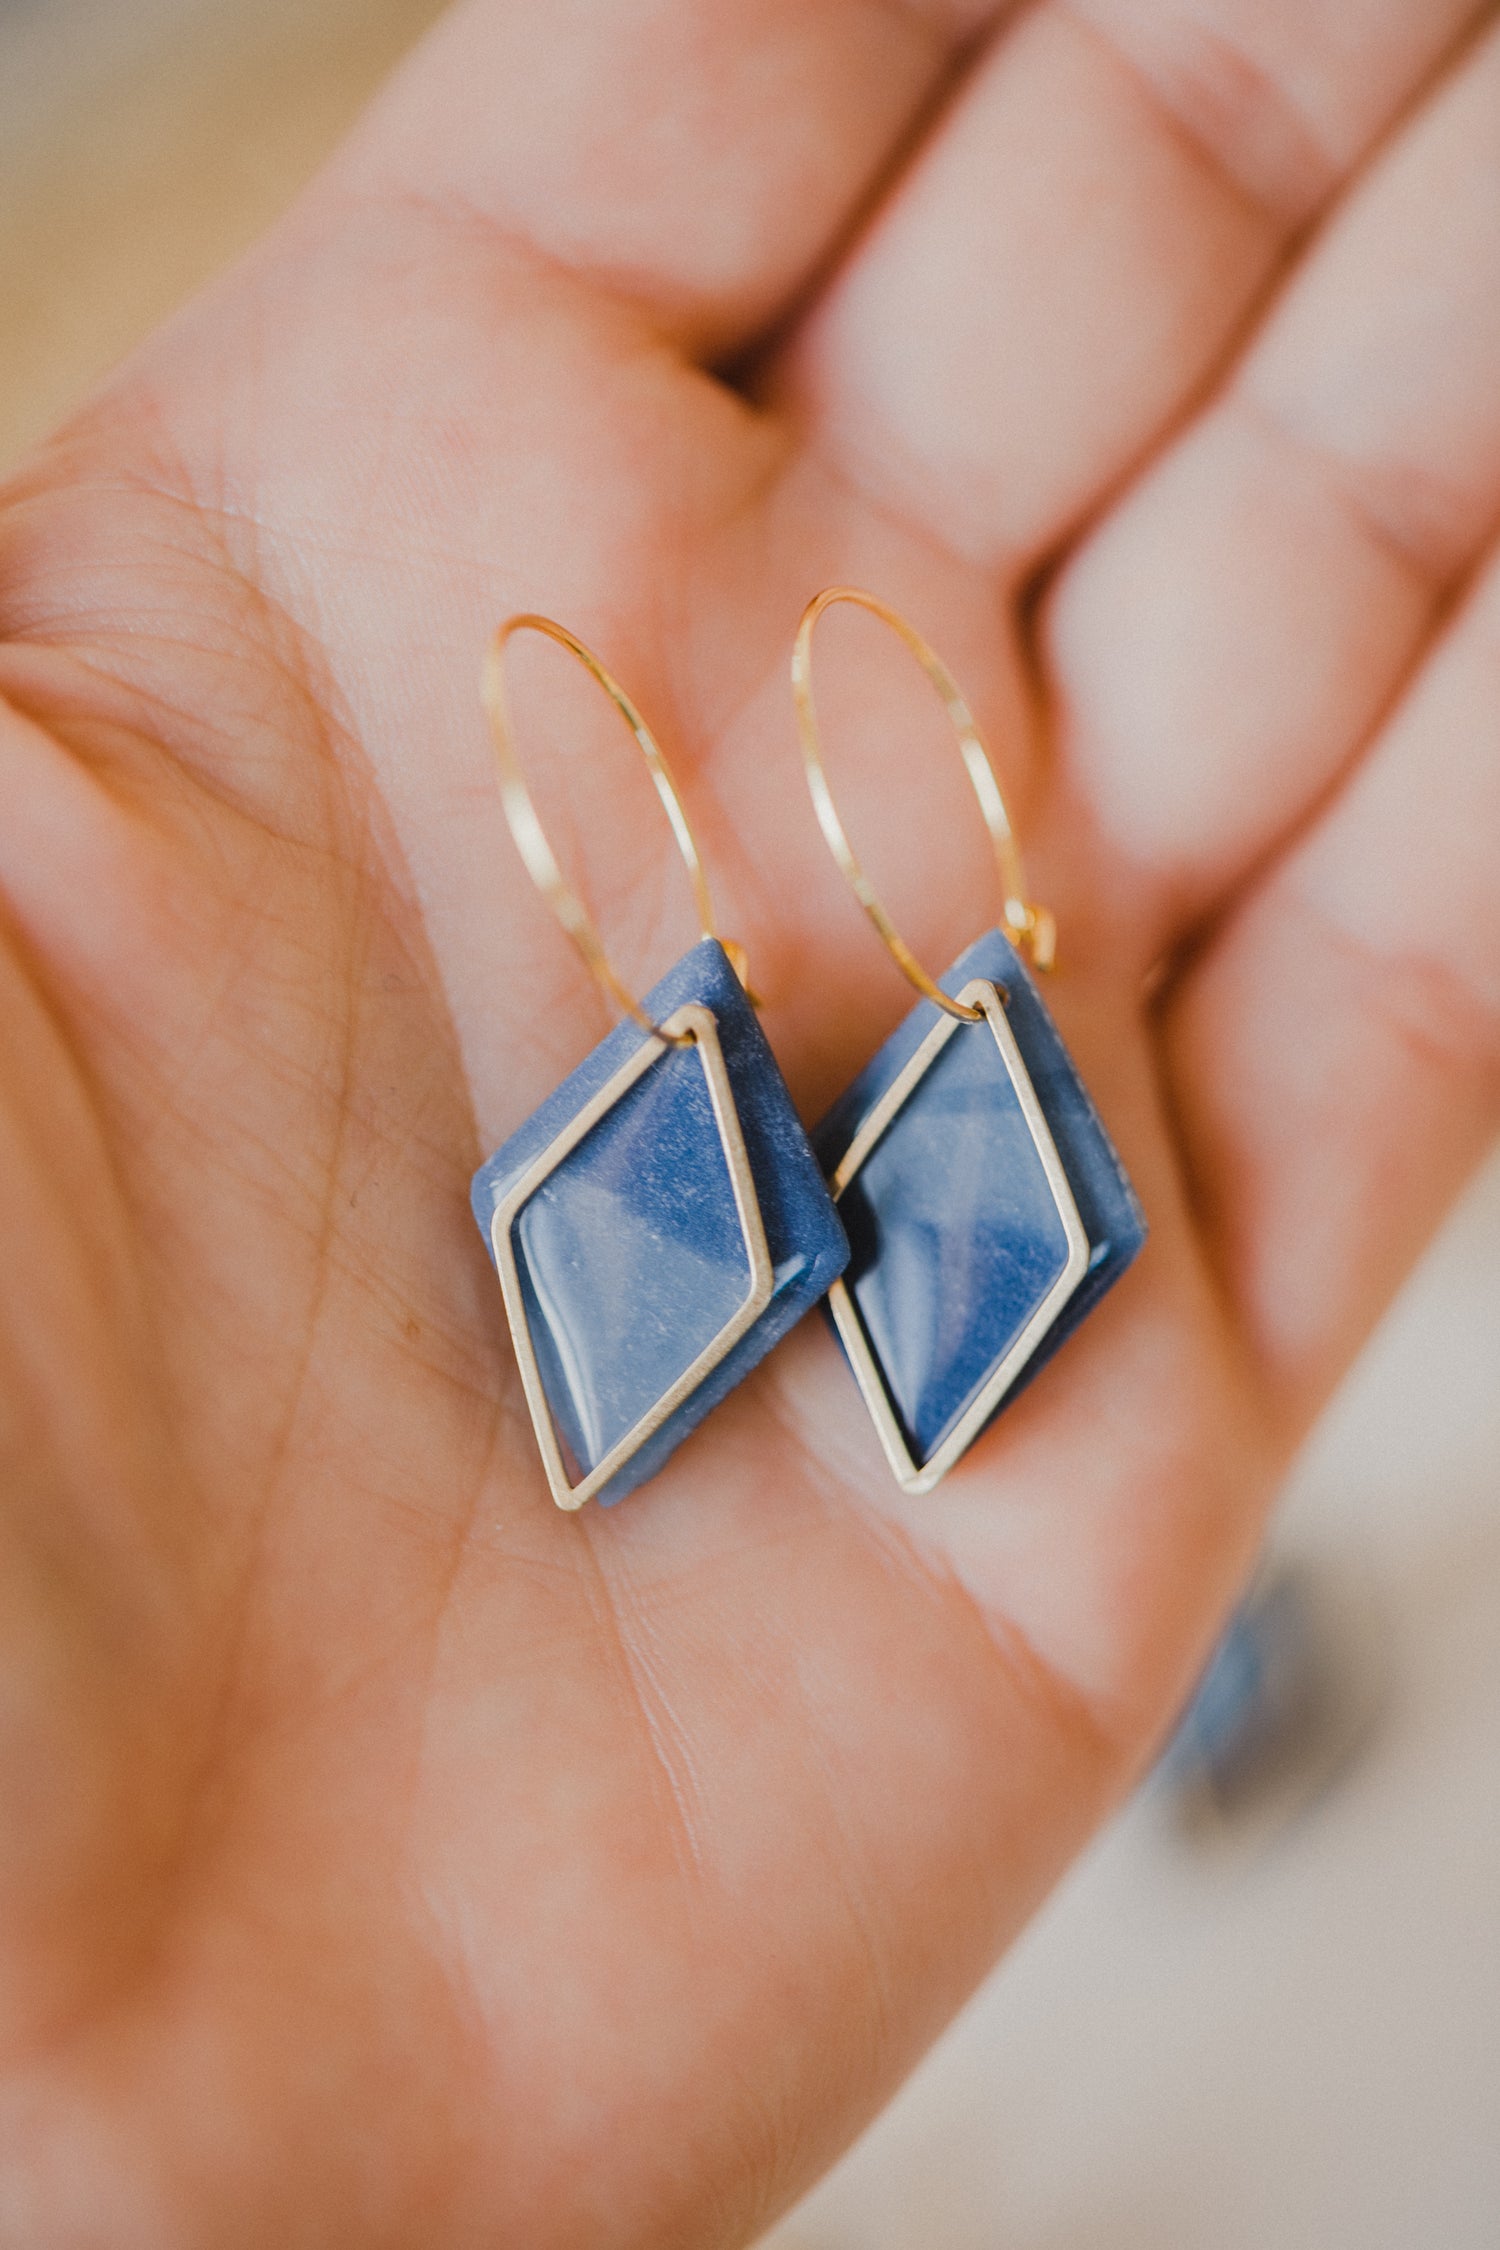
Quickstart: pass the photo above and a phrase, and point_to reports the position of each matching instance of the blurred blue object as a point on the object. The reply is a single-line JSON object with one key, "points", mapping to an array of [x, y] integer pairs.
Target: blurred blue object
{"points": [[1286, 1701]]}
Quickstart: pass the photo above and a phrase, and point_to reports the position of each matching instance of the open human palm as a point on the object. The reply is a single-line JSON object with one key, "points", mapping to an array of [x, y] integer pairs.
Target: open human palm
{"points": [[391, 1859]]}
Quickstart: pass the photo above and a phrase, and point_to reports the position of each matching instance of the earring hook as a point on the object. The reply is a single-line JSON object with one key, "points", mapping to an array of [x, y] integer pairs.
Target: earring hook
{"points": [[530, 837], [1026, 925]]}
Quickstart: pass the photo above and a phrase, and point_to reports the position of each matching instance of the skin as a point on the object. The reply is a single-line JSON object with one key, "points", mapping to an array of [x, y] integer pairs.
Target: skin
{"points": [[390, 1859]]}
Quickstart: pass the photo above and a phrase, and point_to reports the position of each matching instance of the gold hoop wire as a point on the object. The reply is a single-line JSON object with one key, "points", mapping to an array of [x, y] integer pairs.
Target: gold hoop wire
{"points": [[526, 828], [1026, 925]]}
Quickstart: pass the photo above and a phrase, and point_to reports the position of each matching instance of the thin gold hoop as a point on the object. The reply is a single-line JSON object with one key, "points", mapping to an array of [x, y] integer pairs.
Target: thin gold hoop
{"points": [[1026, 925], [531, 840]]}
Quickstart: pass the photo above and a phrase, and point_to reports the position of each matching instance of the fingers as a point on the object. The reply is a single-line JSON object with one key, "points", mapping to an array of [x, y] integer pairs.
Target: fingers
{"points": [[1335, 1059], [1231, 634], [699, 162], [1077, 248]]}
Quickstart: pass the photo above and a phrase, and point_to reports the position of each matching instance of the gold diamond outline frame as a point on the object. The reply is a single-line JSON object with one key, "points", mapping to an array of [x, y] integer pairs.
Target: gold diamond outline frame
{"points": [[919, 1478], [691, 1022]]}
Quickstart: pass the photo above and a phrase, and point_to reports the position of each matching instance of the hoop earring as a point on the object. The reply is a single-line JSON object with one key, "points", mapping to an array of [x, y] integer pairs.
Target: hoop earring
{"points": [[986, 1209], [660, 1222]]}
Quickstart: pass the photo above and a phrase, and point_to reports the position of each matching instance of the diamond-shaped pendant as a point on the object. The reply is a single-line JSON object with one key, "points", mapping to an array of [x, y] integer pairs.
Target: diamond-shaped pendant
{"points": [[987, 1212], [657, 1225]]}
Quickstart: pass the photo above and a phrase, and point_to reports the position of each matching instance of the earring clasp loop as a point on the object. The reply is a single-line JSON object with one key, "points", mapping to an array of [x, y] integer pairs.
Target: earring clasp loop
{"points": [[530, 837], [1025, 924]]}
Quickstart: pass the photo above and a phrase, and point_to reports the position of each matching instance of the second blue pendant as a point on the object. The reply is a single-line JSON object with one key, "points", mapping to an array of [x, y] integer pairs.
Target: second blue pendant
{"points": [[986, 1210]]}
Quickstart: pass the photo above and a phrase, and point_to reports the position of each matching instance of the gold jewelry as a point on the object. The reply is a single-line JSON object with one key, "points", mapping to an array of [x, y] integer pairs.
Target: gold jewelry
{"points": [[660, 1221], [1028, 926], [530, 837], [986, 1209]]}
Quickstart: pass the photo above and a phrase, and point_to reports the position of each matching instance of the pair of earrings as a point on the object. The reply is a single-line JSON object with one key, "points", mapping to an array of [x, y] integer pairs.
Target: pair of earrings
{"points": [[662, 1220]]}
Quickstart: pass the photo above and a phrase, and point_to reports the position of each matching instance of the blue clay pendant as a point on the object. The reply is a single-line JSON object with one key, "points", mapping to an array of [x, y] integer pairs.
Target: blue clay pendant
{"points": [[986, 1210], [658, 1225]]}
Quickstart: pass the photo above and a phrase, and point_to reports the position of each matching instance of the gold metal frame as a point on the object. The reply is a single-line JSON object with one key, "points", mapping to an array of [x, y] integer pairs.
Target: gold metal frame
{"points": [[1026, 925], [689, 1025], [979, 999]]}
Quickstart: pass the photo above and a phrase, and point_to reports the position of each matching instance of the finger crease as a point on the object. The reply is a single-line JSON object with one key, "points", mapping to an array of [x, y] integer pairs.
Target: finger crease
{"points": [[1403, 515], [1439, 1014], [1232, 114]]}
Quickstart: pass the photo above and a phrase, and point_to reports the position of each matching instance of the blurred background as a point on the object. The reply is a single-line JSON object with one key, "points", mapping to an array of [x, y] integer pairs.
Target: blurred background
{"points": [[143, 143], [1265, 2013]]}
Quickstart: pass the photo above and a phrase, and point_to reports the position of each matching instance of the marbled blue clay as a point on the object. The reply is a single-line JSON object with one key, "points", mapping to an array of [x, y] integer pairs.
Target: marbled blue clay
{"points": [[955, 1236], [631, 1254]]}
